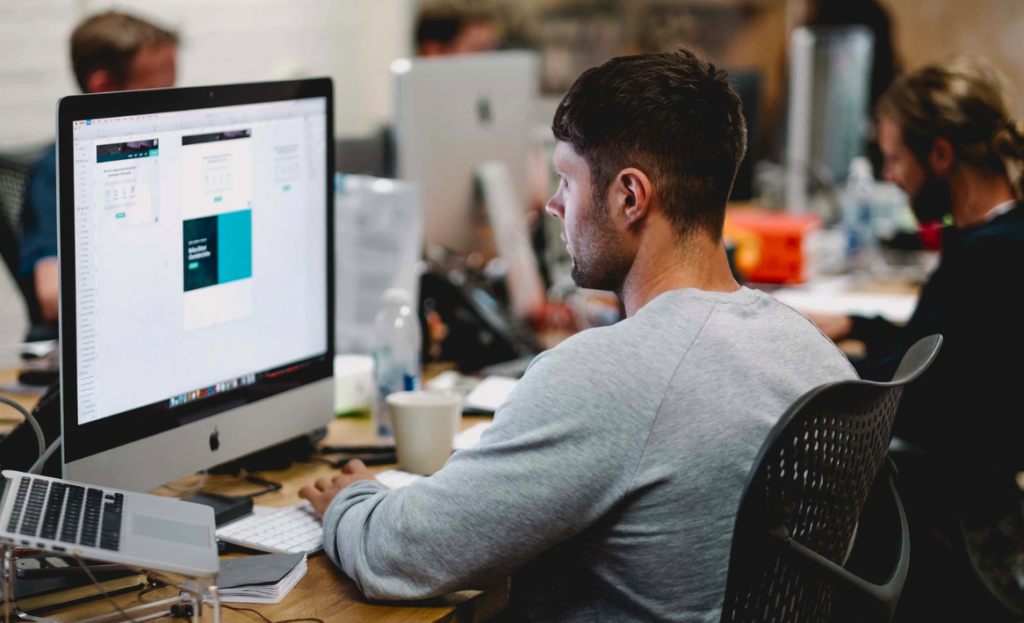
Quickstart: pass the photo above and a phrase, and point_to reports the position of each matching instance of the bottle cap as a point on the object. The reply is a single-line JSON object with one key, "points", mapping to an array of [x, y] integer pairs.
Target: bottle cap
{"points": [[397, 295], [860, 167]]}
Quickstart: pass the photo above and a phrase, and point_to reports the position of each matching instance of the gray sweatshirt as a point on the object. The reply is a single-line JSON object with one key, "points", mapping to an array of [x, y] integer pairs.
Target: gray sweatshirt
{"points": [[608, 485]]}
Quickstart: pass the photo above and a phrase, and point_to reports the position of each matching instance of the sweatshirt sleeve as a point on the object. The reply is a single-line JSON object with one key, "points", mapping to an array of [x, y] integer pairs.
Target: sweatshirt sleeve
{"points": [[555, 461]]}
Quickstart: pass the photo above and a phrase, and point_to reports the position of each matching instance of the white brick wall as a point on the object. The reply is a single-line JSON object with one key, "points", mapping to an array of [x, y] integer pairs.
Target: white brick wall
{"points": [[353, 41], [13, 320]]}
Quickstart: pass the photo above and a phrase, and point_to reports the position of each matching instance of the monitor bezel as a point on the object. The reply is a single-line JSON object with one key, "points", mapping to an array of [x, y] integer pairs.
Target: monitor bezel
{"points": [[84, 440]]}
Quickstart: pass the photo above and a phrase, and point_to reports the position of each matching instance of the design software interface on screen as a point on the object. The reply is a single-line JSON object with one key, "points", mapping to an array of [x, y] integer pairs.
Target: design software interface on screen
{"points": [[200, 251]]}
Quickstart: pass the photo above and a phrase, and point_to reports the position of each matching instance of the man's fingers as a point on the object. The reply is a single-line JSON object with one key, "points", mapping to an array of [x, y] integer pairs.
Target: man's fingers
{"points": [[322, 484], [307, 492], [353, 466]]}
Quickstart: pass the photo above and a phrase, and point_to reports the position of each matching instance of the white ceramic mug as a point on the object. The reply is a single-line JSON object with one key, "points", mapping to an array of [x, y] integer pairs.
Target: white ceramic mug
{"points": [[424, 425]]}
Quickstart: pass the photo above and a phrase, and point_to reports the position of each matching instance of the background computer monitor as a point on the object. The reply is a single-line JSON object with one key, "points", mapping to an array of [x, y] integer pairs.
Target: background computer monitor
{"points": [[829, 89], [196, 247], [454, 114], [748, 85]]}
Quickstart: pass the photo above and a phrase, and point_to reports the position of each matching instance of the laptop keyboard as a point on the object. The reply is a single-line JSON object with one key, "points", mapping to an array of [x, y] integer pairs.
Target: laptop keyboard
{"points": [[68, 513]]}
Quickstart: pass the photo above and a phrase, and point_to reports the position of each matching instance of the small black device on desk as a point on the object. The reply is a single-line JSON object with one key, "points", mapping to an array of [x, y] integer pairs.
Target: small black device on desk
{"points": [[45, 581], [369, 455], [225, 507], [229, 507]]}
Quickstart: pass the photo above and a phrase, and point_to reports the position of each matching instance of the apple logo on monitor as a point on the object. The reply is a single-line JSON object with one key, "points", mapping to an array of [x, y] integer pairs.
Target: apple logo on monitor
{"points": [[483, 110]]}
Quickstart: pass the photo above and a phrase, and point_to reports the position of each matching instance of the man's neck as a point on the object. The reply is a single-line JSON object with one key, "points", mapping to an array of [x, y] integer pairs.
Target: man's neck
{"points": [[660, 268], [974, 194]]}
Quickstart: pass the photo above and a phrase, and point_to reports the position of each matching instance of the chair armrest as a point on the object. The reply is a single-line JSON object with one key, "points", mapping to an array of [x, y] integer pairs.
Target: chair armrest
{"points": [[880, 597]]}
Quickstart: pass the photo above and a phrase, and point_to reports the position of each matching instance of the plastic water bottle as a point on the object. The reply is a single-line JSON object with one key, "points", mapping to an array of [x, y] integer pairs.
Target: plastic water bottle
{"points": [[396, 353], [861, 240]]}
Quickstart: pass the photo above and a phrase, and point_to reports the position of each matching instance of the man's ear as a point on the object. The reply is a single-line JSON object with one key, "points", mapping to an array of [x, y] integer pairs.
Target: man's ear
{"points": [[632, 193], [942, 158]]}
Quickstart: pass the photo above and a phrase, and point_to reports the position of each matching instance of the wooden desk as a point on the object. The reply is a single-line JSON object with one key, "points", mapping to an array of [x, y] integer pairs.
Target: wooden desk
{"points": [[8, 414], [325, 593]]}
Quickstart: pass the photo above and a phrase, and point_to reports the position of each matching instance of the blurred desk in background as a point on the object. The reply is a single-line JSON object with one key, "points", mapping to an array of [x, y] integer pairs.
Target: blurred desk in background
{"points": [[895, 301]]}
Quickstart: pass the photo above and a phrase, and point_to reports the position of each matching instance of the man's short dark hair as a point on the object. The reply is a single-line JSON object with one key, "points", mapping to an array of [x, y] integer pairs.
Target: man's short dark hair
{"points": [[672, 115], [110, 41]]}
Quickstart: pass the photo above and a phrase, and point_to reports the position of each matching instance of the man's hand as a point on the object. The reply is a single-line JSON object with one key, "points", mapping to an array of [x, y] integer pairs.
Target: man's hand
{"points": [[321, 493], [835, 326]]}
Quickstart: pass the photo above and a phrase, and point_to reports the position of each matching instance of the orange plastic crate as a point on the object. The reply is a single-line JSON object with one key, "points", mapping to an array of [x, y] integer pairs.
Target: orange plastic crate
{"points": [[771, 246]]}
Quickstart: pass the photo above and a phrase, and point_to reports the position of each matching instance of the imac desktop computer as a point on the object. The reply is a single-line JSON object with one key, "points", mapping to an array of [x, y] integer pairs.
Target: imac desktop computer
{"points": [[196, 276], [463, 132], [454, 114]]}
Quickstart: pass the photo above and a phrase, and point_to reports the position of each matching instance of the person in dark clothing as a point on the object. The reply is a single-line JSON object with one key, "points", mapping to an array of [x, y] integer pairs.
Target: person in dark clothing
{"points": [[949, 142], [110, 51]]}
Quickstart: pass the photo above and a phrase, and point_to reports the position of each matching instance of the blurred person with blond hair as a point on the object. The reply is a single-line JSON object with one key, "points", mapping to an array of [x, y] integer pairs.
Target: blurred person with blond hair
{"points": [[950, 142]]}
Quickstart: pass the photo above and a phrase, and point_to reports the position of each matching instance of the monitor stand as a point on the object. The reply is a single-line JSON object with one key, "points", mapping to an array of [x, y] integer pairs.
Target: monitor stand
{"points": [[275, 458]]}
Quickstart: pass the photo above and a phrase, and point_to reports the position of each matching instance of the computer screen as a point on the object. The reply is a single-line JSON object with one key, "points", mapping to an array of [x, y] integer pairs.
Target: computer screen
{"points": [[196, 258], [199, 238], [828, 119]]}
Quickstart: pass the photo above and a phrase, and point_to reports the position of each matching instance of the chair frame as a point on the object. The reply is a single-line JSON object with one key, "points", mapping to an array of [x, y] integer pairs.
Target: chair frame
{"points": [[758, 527]]}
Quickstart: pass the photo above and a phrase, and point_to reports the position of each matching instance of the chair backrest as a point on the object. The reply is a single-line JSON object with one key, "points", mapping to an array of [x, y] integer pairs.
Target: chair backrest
{"points": [[14, 172], [808, 485], [15, 169]]}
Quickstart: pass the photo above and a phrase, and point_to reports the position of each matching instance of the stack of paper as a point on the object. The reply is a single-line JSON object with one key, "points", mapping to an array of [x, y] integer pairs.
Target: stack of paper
{"points": [[265, 579]]}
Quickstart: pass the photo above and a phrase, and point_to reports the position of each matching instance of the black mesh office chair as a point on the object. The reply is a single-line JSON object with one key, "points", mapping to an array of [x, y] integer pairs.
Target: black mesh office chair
{"points": [[803, 499], [14, 173]]}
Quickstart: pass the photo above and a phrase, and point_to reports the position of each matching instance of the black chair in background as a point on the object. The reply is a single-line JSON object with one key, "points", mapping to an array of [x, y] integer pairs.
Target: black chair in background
{"points": [[819, 473], [14, 174]]}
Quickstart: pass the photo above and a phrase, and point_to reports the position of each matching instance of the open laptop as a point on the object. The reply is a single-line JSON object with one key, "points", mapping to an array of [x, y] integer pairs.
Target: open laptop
{"points": [[98, 523]]}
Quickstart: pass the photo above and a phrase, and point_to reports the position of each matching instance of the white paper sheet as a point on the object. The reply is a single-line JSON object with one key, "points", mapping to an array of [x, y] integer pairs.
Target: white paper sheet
{"points": [[896, 308], [489, 394], [396, 478], [471, 436]]}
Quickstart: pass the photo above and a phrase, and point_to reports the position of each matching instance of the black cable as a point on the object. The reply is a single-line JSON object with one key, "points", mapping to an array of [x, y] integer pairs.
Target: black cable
{"points": [[270, 485], [102, 590], [153, 585], [32, 421], [265, 619]]}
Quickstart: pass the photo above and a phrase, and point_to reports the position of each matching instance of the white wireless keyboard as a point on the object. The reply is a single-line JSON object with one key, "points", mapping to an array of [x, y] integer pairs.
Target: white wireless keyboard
{"points": [[293, 529], [288, 530]]}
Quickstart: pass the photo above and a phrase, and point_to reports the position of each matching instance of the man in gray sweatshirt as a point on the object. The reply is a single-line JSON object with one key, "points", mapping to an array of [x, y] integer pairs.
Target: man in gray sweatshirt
{"points": [[608, 485]]}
